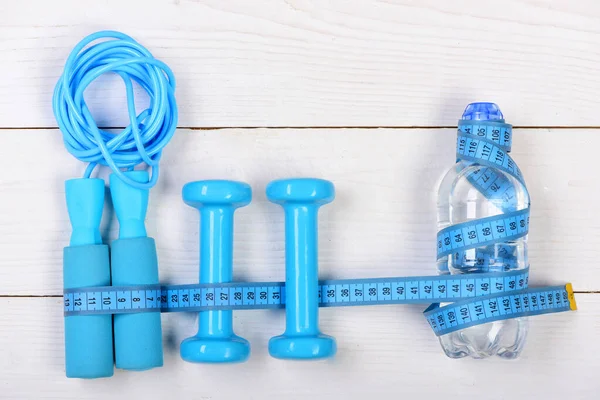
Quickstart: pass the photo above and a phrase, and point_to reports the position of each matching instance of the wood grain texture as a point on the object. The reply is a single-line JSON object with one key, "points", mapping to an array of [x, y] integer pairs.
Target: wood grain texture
{"points": [[310, 63], [303, 63], [383, 352], [382, 223]]}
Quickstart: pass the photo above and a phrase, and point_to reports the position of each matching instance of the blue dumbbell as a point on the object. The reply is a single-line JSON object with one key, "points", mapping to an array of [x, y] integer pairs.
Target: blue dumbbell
{"points": [[301, 199], [216, 201], [138, 337], [88, 338]]}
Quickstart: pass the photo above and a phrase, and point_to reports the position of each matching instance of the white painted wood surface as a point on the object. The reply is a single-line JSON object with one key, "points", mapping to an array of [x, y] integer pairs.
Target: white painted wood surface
{"points": [[321, 63], [383, 352], [381, 223], [301, 63]]}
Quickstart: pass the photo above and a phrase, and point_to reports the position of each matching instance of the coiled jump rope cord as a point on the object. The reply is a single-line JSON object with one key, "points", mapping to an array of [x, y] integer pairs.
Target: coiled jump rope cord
{"points": [[148, 132]]}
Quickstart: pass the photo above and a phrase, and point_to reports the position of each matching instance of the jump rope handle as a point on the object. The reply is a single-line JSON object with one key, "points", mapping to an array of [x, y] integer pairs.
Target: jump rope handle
{"points": [[138, 337], [88, 338]]}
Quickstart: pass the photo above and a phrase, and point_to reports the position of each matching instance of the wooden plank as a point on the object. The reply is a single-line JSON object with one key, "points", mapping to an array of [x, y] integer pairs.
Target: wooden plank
{"points": [[382, 351], [334, 63], [382, 222]]}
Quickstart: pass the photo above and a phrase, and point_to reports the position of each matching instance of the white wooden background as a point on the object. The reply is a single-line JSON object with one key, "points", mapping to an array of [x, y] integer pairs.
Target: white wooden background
{"points": [[345, 90]]}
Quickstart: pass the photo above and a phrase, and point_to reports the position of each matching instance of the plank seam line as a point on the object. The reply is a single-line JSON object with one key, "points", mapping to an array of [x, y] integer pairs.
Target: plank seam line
{"points": [[411, 127], [60, 296]]}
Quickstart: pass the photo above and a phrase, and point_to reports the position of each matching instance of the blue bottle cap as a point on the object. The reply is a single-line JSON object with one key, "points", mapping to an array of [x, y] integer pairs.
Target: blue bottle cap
{"points": [[483, 112]]}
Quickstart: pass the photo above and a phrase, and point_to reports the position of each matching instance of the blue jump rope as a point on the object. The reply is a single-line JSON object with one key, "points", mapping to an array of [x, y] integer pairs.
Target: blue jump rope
{"points": [[118, 299], [137, 337]]}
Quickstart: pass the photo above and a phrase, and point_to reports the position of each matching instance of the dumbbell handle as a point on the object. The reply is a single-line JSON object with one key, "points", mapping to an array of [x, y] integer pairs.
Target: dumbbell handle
{"points": [[216, 264], [216, 200], [301, 199], [301, 268]]}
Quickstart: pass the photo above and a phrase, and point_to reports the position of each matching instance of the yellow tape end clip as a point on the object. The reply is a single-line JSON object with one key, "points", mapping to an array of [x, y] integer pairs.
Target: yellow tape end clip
{"points": [[572, 302]]}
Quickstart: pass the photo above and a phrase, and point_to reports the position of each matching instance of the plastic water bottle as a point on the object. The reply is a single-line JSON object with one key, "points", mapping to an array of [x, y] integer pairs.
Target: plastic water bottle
{"points": [[460, 201]]}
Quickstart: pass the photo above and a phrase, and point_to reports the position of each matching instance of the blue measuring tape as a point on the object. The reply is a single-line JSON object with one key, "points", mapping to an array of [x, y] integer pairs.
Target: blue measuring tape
{"points": [[486, 144], [498, 296], [475, 298], [482, 232]]}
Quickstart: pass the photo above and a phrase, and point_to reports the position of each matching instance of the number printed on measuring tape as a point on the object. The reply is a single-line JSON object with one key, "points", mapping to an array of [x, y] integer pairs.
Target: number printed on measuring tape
{"points": [[497, 133], [482, 232], [485, 153], [494, 307]]}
